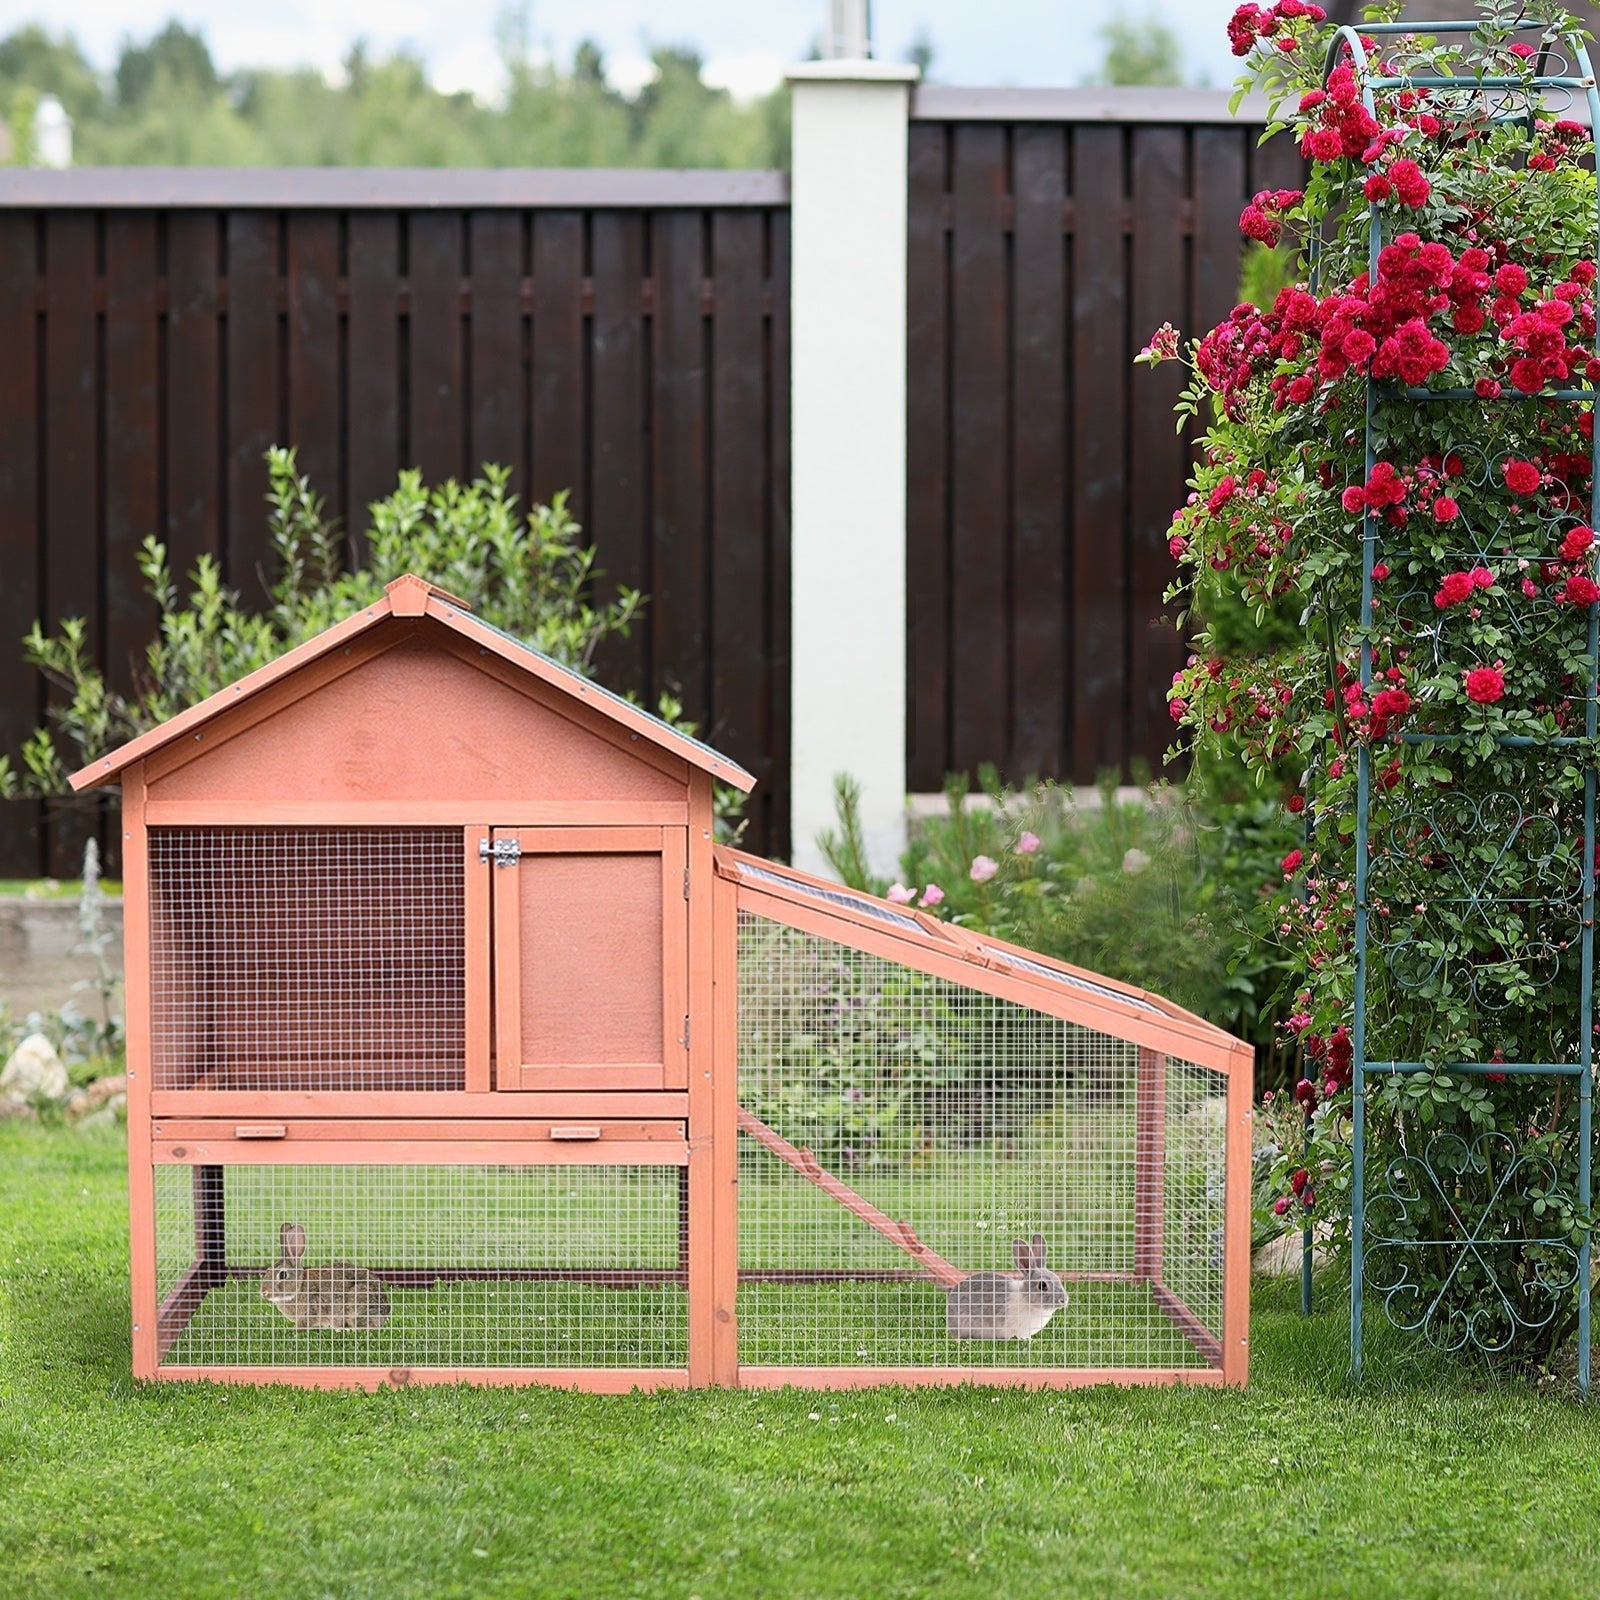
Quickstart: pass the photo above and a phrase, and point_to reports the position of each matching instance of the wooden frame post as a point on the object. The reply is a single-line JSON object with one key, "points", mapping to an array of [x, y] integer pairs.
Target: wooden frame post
{"points": [[723, 1211], [1149, 1164], [137, 1020], [703, 1130], [1236, 1244]]}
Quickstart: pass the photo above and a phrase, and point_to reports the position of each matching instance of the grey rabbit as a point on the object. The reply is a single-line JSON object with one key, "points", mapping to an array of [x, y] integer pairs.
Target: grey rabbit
{"points": [[1002, 1305], [335, 1296]]}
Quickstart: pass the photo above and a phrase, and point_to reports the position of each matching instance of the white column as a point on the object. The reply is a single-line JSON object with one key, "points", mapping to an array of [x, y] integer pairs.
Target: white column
{"points": [[848, 450]]}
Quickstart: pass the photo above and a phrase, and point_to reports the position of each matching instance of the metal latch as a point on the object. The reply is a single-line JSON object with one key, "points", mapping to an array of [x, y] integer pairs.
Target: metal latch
{"points": [[502, 852], [575, 1134], [260, 1130]]}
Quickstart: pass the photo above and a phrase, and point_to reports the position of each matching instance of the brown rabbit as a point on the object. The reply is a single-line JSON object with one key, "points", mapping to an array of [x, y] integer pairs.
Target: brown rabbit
{"points": [[335, 1296], [998, 1305]]}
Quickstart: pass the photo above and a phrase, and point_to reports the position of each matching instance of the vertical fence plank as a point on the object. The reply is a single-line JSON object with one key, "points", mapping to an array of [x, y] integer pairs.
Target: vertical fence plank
{"points": [[254, 396], [778, 841], [314, 352], [1099, 492], [741, 687], [436, 438], [72, 505], [499, 380], [20, 551], [678, 436], [1156, 454], [618, 518], [373, 397], [558, 398], [1039, 594], [192, 443], [980, 508], [927, 468], [132, 448], [1219, 195]]}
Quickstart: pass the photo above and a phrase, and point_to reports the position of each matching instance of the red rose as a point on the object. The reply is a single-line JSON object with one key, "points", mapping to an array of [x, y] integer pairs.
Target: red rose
{"points": [[1291, 862], [1305, 1092], [1445, 509], [1522, 477], [1582, 590], [1380, 571], [1485, 685], [1577, 543], [1298, 1180]]}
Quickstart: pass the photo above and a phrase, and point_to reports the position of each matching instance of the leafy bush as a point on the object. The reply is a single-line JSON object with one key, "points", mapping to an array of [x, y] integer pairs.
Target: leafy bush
{"points": [[528, 573], [1147, 891]]}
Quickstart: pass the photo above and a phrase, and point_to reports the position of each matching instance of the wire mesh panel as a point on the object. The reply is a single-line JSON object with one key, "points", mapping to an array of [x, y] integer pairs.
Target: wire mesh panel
{"points": [[308, 958], [425, 1266], [931, 1176]]}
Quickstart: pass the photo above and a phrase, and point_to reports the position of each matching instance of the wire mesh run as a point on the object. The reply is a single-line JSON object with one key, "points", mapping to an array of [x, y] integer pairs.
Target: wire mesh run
{"points": [[421, 1266], [904, 1141], [308, 958]]}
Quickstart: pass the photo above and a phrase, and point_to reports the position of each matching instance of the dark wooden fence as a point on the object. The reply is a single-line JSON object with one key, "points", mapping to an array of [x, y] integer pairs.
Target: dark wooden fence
{"points": [[1050, 233], [621, 335], [625, 335]]}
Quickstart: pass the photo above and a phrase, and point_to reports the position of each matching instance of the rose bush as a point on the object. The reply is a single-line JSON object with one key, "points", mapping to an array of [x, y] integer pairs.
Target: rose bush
{"points": [[1441, 680]]}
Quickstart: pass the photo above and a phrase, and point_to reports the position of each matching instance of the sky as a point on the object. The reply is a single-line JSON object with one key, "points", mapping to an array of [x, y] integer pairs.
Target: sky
{"points": [[746, 43]]}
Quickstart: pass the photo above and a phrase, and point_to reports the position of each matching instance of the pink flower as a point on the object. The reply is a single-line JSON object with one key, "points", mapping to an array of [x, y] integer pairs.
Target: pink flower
{"points": [[1485, 685], [899, 895], [1027, 844], [1445, 509], [984, 868], [931, 896], [1280, 1205]]}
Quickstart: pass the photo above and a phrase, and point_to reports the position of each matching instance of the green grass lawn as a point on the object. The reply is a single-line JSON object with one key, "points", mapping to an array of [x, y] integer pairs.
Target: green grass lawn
{"points": [[1427, 1482]]}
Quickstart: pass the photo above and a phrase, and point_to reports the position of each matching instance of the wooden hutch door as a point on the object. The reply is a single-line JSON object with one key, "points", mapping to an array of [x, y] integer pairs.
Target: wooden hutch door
{"points": [[591, 955]]}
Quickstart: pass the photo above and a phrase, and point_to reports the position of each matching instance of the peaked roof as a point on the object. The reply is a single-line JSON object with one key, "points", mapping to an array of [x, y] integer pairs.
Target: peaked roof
{"points": [[411, 596]]}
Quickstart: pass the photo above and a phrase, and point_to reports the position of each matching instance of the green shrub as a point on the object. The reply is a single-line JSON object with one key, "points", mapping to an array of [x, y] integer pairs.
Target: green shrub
{"points": [[528, 573], [1151, 891]]}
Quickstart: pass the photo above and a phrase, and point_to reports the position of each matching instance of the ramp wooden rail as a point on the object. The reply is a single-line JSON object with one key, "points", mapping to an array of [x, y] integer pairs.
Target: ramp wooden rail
{"points": [[899, 1234]]}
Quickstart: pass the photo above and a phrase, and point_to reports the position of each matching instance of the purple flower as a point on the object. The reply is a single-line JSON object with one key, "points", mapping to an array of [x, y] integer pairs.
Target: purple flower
{"points": [[1027, 844], [899, 895], [931, 896], [984, 868]]}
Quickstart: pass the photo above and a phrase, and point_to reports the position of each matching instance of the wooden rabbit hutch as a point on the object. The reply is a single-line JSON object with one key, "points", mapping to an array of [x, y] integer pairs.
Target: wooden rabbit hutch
{"points": [[459, 1051]]}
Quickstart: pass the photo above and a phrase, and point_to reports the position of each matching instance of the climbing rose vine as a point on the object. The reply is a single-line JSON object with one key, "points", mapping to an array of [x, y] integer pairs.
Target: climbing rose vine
{"points": [[1479, 514]]}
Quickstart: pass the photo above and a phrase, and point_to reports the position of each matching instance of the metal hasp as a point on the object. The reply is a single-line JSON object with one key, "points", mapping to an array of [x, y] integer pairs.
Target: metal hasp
{"points": [[1431, 1181], [502, 852]]}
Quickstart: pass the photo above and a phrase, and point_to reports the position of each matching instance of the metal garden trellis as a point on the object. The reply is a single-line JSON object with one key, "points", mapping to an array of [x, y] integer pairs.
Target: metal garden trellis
{"points": [[1561, 74]]}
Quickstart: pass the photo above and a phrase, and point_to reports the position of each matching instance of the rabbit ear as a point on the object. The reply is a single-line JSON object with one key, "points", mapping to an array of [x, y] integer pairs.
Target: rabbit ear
{"points": [[1038, 1250], [1021, 1254], [293, 1238]]}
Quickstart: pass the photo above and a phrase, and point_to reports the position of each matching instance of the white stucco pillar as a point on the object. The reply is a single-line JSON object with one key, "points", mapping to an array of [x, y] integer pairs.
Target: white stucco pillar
{"points": [[848, 451]]}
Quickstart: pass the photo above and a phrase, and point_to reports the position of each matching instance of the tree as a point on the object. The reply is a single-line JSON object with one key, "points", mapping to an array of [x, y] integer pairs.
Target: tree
{"points": [[1140, 51], [175, 59], [33, 63]]}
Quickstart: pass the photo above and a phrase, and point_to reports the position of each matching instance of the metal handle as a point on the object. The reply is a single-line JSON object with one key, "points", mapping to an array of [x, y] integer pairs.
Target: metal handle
{"points": [[260, 1130], [575, 1133]]}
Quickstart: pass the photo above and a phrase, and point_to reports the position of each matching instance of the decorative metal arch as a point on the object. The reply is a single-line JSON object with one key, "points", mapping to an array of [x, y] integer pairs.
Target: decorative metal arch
{"points": [[1384, 1224]]}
